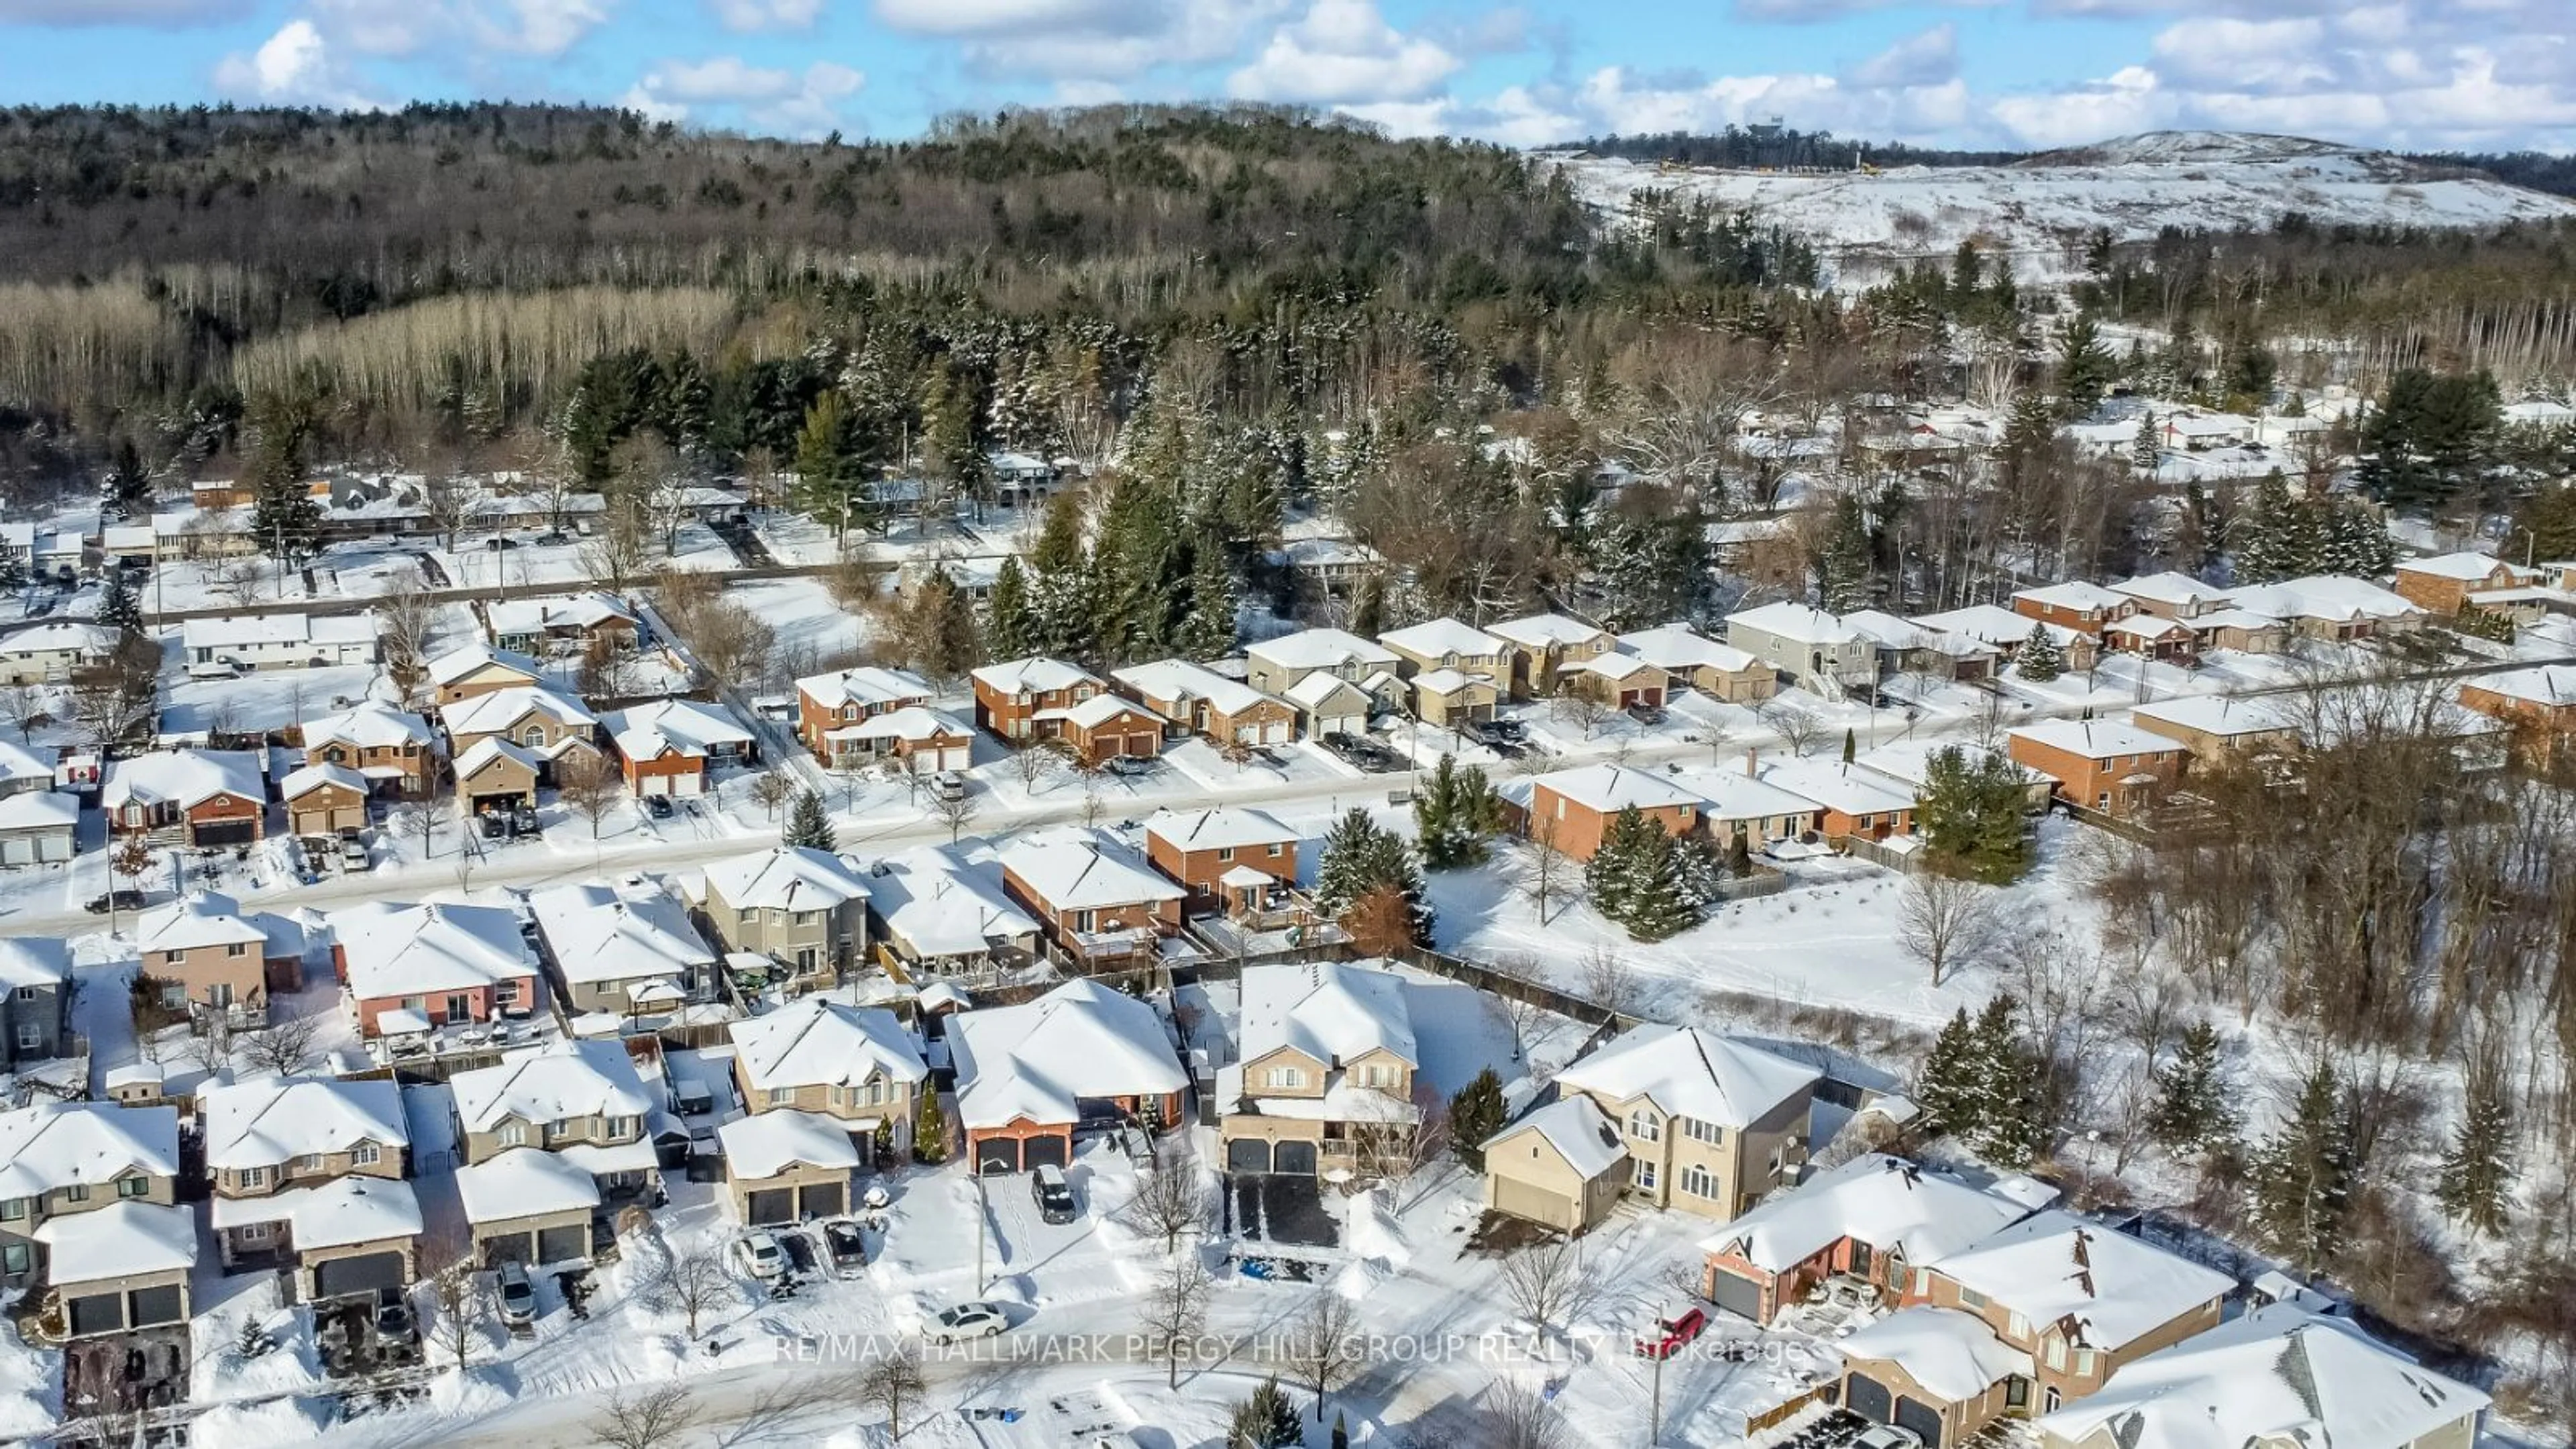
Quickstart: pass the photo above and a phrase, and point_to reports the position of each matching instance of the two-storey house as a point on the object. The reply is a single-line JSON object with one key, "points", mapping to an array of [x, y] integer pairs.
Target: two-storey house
{"points": [[670, 746], [549, 725], [1688, 658], [1230, 858], [826, 702], [1010, 695], [1539, 649], [622, 950], [396, 751], [1326, 1079], [35, 1013], [2076, 604], [308, 1174], [89, 1209], [1873, 1220], [1197, 699], [827, 1083], [475, 669], [1807, 646], [581, 1100], [2104, 765], [1571, 810], [1277, 666], [1099, 903], [804, 908], [205, 953]]}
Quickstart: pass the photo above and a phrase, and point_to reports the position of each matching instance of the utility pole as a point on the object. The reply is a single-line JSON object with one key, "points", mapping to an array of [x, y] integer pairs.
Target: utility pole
{"points": [[1655, 1405], [983, 1225]]}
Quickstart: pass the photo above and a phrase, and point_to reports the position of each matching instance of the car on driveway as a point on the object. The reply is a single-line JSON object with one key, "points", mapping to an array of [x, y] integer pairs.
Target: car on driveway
{"points": [[393, 1327], [846, 1248], [1054, 1194], [965, 1321], [1671, 1335], [757, 1253], [658, 806], [1887, 1436], [123, 900], [800, 1251], [518, 1295]]}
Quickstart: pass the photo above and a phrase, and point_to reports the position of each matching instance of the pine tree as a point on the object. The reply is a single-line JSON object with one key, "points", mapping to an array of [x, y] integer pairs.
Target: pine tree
{"points": [[1010, 620], [1208, 630], [1950, 1084], [1843, 563], [1739, 854], [2145, 454], [2037, 658], [2357, 543], [1368, 607], [2261, 536], [929, 1128], [1341, 1432], [2084, 369], [2303, 1175], [1475, 1115], [1609, 877], [1452, 816], [1851, 744], [2013, 1121], [809, 826], [1358, 857], [2478, 1169], [2551, 516], [828, 475], [118, 608], [1970, 815], [1062, 600], [1662, 902], [1267, 1420], [2190, 1113]]}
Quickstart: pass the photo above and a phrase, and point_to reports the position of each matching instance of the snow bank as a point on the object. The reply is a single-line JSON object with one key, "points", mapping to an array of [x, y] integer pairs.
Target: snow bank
{"points": [[257, 1426], [31, 1389]]}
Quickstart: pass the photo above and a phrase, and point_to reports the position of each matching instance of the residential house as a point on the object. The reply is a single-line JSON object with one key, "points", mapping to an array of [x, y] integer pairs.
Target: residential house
{"points": [[2277, 1378], [1720, 671], [1327, 568], [2083, 607], [25, 771], [1448, 698], [1205, 703], [1902, 646], [1029, 1075], [1229, 858], [324, 800], [1009, 696], [825, 702], [2171, 595], [1325, 1081], [308, 1175], [36, 1014], [1538, 650], [564, 624], [2443, 583], [622, 949], [788, 1166], [497, 775], [204, 798], [38, 827], [2171, 641], [410, 969], [2199, 432], [278, 641], [1851, 802], [1908, 762], [527, 1205], [1622, 681], [915, 739], [1560, 1166], [941, 914], [1019, 476], [477, 669], [1098, 901], [1809, 646], [856, 1066], [1329, 705], [2242, 630], [1875, 1220], [1571, 810], [89, 1207], [2219, 730], [668, 747], [204, 952], [551, 726], [1710, 1125], [2332, 608], [1276, 666], [1447, 645], [2538, 704], [2103, 765], [395, 750], [52, 652], [1733, 803], [582, 1100], [2077, 650], [1102, 728], [803, 907]]}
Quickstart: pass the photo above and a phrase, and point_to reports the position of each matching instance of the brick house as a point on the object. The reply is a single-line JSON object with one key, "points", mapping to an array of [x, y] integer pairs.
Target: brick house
{"points": [[2442, 584], [1851, 801], [2539, 704], [1621, 681], [1693, 661], [1009, 696], [2083, 607], [825, 702], [324, 800], [2170, 640], [1541, 648], [1205, 703], [205, 953], [308, 1175], [1102, 728], [2220, 731], [409, 969], [203, 798], [475, 669], [1227, 858], [1572, 809], [668, 747], [2118, 769], [918, 740], [1097, 900], [1029, 1076], [1876, 1219], [2171, 595], [396, 751]]}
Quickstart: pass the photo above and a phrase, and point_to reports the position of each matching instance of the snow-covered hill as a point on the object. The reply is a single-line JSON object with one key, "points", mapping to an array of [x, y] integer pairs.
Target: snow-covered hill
{"points": [[2041, 209]]}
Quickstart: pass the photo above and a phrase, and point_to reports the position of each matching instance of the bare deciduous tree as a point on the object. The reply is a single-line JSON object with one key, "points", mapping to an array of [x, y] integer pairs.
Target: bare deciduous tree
{"points": [[772, 791], [589, 786], [1581, 706], [696, 1281], [1523, 1016], [954, 810], [1548, 874], [404, 619], [735, 644], [620, 547], [459, 1312], [1036, 763], [648, 1420], [1175, 1309], [892, 1383], [282, 1045], [1944, 921], [1513, 1417], [1545, 1283], [21, 706], [1170, 1200], [1609, 979], [1797, 726], [1325, 1345]]}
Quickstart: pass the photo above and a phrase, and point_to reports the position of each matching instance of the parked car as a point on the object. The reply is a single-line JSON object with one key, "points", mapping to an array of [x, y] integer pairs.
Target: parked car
{"points": [[800, 1251], [518, 1296], [965, 1321], [658, 806], [1887, 1436], [1127, 765], [1671, 1335], [1054, 1194], [948, 785], [353, 853], [848, 1250], [759, 1255], [118, 900], [393, 1325]]}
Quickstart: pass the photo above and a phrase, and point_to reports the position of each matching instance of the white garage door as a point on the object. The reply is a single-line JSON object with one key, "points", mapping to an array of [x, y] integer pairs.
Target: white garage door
{"points": [[54, 847], [1277, 732], [17, 850], [686, 784]]}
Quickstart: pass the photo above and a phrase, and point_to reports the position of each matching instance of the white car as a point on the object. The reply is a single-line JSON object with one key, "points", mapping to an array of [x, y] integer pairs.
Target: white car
{"points": [[965, 1321], [760, 1255], [1887, 1436]]}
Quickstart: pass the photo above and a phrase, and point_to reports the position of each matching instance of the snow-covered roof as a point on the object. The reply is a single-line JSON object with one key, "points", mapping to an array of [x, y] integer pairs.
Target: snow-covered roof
{"points": [[691, 729], [38, 810], [2080, 595], [1084, 870], [1179, 680], [1038, 1059], [393, 949], [184, 778], [942, 905], [56, 1144], [304, 781], [2246, 619], [59, 636], [869, 687], [1321, 649], [1450, 681], [2169, 587], [1796, 622], [2547, 684], [340, 1213], [789, 877], [2220, 714], [2095, 739], [1037, 674], [1313, 690], [1909, 761], [120, 1240], [38, 961], [485, 750], [1687, 1072], [463, 660], [1538, 631], [587, 610], [911, 722], [602, 933], [2278, 1375], [1096, 711], [2108, 1287], [1887, 631], [1589, 1142], [2323, 596], [1733, 795], [17, 762], [1330, 1011], [1886, 1202], [1610, 788], [2148, 626], [1221, 827], [1680, 648], [275, 631], [373, 725], [1953, 1354], [270, 1120], [2467, 568], [813, 1041], [766, 1144], [502, 709], [1439, 637], [561, 1079], [1847, 789], [524, 1182], [1997, 626], [1617, 668]]}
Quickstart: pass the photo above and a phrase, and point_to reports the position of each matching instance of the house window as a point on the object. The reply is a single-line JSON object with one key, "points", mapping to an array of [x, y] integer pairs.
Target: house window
{"points": [[2017, 1326], [782, 1096], [1645, 1126], [30, 1036], [26, 993], [366, 1154], [252, 1232], [1225, 852], [133, 1186], [1286, 1077], [173, 958], [309, 1162], [13, 1209], [1971, 1298], [1645, 1175], [1276, 850], [513, 1134], [2084, 1363], [77, 1192], [17, 1258], [1698, 1181], [254, 1177], [2016, 1392], [2056, 1353], [235, 948], [559, 1129], [1701, 1131]]}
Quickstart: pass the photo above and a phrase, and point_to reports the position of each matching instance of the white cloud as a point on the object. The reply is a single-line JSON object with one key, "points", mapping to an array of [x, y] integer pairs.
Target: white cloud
{"points": [[766, 14], [166, 14], [768, 99], [1342, 52], [1085, 40], [1929, 58], [406, 27], [293, 67]]}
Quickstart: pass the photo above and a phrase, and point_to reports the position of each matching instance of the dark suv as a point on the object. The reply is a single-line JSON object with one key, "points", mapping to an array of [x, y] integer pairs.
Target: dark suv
{"points": [[1054, 1195]]}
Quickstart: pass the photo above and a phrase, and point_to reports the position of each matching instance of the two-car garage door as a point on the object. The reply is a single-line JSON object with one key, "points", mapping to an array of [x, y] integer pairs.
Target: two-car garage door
{"points": [[37, 849], [546, 1245], [770, 1207], [137, 1308], [363, 1274], [1871, 1400], [1019, 1154]]}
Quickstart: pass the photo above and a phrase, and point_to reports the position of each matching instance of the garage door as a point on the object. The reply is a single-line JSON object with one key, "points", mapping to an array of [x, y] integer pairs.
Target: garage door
{"points": [[1294, 1157], [1276, 733], [227, 832], [1043, 1152], [348, 1277], [825, 1199], [508, 1248], [562, 1245], [1739, 1296], [17, 850], [768, 1205], [148, 1306], [1866, 1397], [98, 1313], [1923, 1419], [654, 785], [54, 847], [997, 1154], [1247, 1154]]}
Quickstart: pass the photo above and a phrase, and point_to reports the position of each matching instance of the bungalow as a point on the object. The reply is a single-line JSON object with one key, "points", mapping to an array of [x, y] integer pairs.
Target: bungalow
{"points": [[51, 653], [1099, 902], [668, 746], [308, 1174], [2117, 769], [1448, 698], [1229, 858], [804, 907], [38, 827], [2083, 607], [563, 623], [549, 725], [476, 669], [2242, 630], [1811, 647], [1325, 1082], [409, 969], [2171, 595], [916, 740], [26, 771], [2538, 704], [617, 949], [1276, 666], [1102, 728], [498, 775], [2331, 607], [35, 1000], [827, 701], [943, 915], [2077, 649], [278, 641], [1908, 762], [856, 1066], [1572, 809], [1720, 671], [1447, 645], [2443, 583], [1622, 681], [1540, 648], [1851, 802], [1874, 1219], [204, 953], [527, 1205], [89, 1206], [395, 750], [1200, 700], [1735, 803], [1328, 704], [581, 1100], [2199, 432], [788, 1166], [2170, 640], [2219, 730], [324, 800], [203, 798], [1009, 696], [1905, 647], [1029, 1076], [1706, 1124]]}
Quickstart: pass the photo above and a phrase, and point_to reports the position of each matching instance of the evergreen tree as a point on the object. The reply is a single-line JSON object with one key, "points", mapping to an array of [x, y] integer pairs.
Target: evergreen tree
{"points": [[1341, 1432], [1739, 854], [117, 606], [2037, 658], [1368, 607], [1267, 1420], [2478, 1169], [929, 1128], [2146, 453], [1851, 744], [1970, 815], [2262, 537], [1638, 878], [1010, 619], [829, 479], [1475, 1115], [1952, 1079], [2190, 1113], [808, 825], [2302, 1176], [2012, 1113], [1140, 562], [1208, 630], [284, 517], [1358, 858], [1454, 813], [1061, 599], [2084, 368], [2431, 440], [1609, 878], [2357, 543], [2550, 514], [1843, 563]]}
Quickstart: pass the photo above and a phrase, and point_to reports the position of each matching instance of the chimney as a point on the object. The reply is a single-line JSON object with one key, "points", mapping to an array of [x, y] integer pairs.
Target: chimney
{"points": [[1750, 756]]}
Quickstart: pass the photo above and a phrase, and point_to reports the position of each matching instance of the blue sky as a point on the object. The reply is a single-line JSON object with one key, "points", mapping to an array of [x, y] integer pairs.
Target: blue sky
{"points": [[2414, 73]]}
